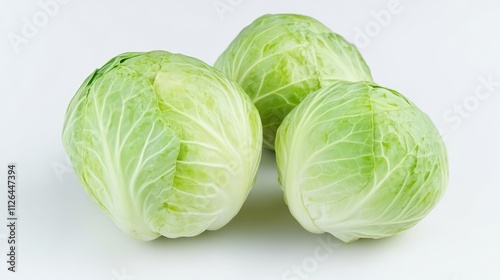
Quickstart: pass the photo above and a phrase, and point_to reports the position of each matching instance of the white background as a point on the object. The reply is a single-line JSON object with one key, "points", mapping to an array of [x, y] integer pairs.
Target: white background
{"points": [[434, 52]]}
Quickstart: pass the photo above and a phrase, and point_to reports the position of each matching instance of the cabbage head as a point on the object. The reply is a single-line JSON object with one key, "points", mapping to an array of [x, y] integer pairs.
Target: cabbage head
{"points": [[358, 160], [279, 59], [163, 143]]}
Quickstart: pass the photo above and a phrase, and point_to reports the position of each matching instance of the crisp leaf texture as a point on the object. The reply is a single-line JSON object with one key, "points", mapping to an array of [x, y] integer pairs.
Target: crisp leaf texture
{"points": [[165, 144], [280, 59], [360, 161]]}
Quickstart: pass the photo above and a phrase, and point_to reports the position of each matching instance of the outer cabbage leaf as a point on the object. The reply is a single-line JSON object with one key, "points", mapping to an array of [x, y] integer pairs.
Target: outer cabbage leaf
{"points": [[153, 139], [280, 59], [360, 161]]}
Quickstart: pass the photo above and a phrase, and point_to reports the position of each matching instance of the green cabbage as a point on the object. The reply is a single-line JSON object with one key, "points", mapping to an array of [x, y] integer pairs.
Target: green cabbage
{"points": [[359, 161], [280, 59], [164, 144]]}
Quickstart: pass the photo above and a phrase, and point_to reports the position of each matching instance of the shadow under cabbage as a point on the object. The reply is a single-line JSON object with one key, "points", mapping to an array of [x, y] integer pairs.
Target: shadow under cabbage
{"points": [[264, 215]]}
